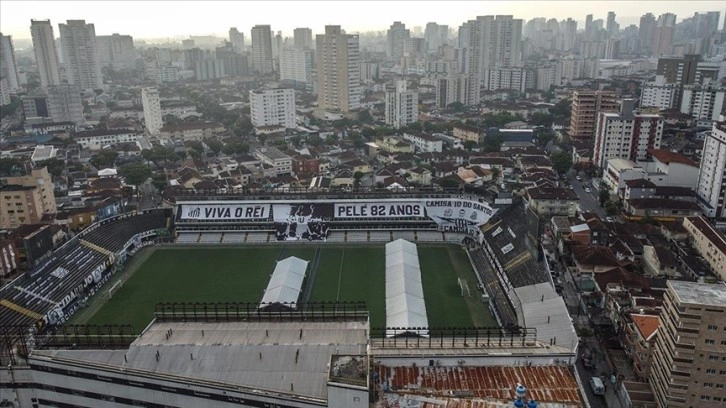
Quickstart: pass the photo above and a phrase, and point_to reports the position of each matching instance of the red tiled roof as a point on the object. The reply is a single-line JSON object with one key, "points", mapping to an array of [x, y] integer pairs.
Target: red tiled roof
{"points": [[646, 324], [667, 156]]}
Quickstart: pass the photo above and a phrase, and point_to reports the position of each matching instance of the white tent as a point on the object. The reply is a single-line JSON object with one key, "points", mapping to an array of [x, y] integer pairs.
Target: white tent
{"points": [[286, 282], [405, 306]]}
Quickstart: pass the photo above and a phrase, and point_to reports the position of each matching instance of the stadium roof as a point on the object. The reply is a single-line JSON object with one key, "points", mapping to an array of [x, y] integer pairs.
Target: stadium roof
{"points": [[506, 235], [405, 306], [228, 353], [286, 282], [545, 310]]}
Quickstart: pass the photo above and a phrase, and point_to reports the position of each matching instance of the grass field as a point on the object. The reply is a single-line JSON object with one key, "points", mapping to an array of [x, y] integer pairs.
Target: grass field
{"points": [[240, 274]]}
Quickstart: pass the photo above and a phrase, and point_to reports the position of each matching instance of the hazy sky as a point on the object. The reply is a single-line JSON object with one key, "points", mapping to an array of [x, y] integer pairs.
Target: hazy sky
{"points": [[158, 19]]}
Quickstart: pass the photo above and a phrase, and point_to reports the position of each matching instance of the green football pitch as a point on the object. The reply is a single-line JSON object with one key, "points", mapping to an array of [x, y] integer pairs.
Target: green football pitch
{"points": [[241, 274]]}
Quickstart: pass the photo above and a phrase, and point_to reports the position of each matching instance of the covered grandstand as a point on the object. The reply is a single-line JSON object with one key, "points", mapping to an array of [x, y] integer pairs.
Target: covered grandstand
{"points": [[51, 293], [519, 285], [405, 306], [283, 290]]}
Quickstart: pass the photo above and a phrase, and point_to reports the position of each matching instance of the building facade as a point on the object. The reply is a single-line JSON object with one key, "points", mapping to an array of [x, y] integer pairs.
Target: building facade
{"points": [[80, 54], [703, 101], [116, 51], [626, 135], [261, 46], [26, 199], [273, 107], [296, 67], [711, 175], [401, 106], [46, 55], [708, 242], [64, 104], [586, 106], [690, 350], [8, 68], [152, 110], [338, 71]]}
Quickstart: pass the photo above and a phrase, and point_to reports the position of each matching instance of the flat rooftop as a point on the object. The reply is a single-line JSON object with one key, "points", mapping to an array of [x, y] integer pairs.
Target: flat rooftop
{"points": [[707, 294], [264, 356]]}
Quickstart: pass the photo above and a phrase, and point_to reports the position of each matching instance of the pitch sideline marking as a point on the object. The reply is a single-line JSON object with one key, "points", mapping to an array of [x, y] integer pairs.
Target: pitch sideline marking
{"points": [[340, 274]]}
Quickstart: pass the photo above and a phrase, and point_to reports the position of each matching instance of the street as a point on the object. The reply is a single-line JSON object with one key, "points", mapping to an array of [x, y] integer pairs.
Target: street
{"points": [[588, 201]]}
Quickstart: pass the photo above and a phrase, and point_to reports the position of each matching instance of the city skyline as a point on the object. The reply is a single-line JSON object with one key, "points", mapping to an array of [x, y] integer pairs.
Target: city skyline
{"points": [[353, 16]]}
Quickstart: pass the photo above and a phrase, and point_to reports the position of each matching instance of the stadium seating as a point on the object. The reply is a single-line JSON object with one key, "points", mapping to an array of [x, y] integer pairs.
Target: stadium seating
{"points": [[233, 237], [361, 236], [114, 235], [429, 236], [210, 238], [73, 268], [336, 236], [258, 237], [188, 238], [407, 235], [497, 298]]}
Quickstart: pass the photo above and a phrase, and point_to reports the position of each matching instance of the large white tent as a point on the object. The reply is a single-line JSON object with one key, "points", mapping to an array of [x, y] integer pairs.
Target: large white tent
{"points": [[286, 283], [405, 306]]}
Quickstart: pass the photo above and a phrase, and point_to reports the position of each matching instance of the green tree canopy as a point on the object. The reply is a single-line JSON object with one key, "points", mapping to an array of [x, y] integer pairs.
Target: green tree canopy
{"points": [[214, 145], [104, 158], [562, 162], [135, 173], [159, 154], [55, 166], [235, 147]]}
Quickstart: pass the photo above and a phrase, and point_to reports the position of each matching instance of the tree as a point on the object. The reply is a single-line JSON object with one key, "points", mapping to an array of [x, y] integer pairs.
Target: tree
{"points": [[545, 137], [450, 182], [135, 173], [456, 106], [315, 140], [469, 144], [11, 167], [358, 176], [541, 119], [561, 162], [611, 208], [493, 143], [331, 139], [55, 166], [214, 145], [495, 173], [235, 147], [104, 159], [604, 197], [159, 154], [364, 116], [159, 181]]}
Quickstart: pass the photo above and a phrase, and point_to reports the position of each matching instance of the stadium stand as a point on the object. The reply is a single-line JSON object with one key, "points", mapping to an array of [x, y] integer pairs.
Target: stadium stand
{"points": [[430, 236], [210, 238], [188, 238], [233, 238], [49, 294], [336, 236], [498, 300], [380, 236], [407, 235], [124, 228], [258, 237], [361, 236]]}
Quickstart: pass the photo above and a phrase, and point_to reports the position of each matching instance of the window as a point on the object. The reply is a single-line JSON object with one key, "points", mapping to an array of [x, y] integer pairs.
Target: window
{"points": [[712, 357], [710, 371], [710, 341], [707, 385], [712, 327]]}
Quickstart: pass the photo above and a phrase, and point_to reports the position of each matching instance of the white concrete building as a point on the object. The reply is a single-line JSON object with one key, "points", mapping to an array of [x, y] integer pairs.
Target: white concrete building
{"points": [[626, 135], [64, 104], [711, 178], [98, 139], [452, 88], [261, 46], [618, 171], [703, 101], [338, 71], [237, 39], [274, 157], [8, 69], [659, 93], [401, 106], [671, 169], [46, 55], [273, 107], [303, 38], [505, 78], [152, 110], [80, 54], [296, 67], [424, 142], [42, 153]]}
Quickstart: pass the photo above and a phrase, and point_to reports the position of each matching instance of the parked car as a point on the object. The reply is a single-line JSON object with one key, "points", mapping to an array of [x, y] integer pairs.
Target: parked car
{"points": [[587, 189], [578, 178]]}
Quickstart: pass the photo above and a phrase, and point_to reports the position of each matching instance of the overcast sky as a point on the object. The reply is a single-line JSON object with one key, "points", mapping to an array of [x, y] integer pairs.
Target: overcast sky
{"points": [[158, 19]]}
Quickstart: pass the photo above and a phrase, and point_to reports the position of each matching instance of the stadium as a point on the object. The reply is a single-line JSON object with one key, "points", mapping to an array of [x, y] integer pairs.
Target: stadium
{"points": [[395, 281]]}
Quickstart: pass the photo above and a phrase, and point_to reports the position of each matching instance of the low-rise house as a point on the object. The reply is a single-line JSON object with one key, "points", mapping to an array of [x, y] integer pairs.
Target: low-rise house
{"points": [[197, 131], [551, 200], [467, 133], [661, 208], [420, 175], [708, 242], [593, 259], [639, 334], [660, 260]]}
